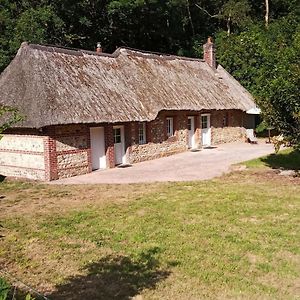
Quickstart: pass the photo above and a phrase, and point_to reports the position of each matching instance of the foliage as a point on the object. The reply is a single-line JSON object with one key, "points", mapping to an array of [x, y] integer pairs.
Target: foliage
{"points": [[4, 289], [9, 116], [266, 61]]}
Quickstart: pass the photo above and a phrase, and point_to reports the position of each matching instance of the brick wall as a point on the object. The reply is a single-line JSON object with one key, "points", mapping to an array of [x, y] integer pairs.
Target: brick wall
{"points": [[22, 156]]}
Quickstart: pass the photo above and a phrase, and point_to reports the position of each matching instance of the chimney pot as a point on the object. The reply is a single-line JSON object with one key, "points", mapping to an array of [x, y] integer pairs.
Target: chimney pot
{"points": [[99, 48], [209, 53]]}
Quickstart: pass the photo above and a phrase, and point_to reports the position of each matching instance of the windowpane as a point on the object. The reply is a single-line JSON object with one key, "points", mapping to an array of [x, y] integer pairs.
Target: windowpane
{"points": [[142, 133], [170, 130], [189, 124], [204, 123], [117, 135], [225, 120]]}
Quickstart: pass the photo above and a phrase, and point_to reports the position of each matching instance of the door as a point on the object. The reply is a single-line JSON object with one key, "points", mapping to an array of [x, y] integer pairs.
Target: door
{"points": [[205, 130], [98, 148], [119, 145], [191, 130]]}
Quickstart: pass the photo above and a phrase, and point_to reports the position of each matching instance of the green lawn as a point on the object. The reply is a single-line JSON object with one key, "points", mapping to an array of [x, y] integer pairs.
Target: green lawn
{"points": [[233, 237], [285, 159]]}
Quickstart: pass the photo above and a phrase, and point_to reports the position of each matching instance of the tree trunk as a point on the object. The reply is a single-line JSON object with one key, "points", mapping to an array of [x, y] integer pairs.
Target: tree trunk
{"points": [[190, 16], [267, 14], [228, 26]]}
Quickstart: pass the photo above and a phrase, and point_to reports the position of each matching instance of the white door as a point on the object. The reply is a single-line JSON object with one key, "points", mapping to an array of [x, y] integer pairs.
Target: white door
{"points": [[205, 130], [98, 148], [119, 145], [191, 129]]}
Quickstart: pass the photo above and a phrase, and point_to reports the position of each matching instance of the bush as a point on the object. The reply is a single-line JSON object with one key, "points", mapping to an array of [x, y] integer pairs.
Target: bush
{"points": [[4, 289]]}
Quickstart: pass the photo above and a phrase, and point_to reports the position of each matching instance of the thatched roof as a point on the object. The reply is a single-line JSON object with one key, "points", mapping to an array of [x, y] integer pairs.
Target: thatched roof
{"points": [[52, 85]]}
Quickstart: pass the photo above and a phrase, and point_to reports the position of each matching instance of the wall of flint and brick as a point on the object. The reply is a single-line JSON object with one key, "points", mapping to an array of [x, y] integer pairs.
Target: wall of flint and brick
{"points": [[65, 150], [23, 156], [158, 145], [70, 152]]}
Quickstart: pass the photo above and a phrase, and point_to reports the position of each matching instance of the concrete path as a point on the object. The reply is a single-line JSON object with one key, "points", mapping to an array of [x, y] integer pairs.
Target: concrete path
{"points": [[187, 166]]}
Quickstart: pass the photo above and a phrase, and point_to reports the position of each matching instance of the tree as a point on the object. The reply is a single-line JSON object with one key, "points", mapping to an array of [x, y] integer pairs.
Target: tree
{"points": [[8, 117], [267, 63]]}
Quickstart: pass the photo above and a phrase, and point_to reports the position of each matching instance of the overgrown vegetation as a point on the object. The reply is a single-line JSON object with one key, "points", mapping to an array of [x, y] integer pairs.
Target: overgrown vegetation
{"points": [[8, 292], [233, 237], [8, 117], [257, 41]]}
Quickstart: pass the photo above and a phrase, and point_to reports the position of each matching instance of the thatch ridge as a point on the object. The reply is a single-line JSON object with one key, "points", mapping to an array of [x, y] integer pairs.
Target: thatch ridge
{"points": [[53, 85]]}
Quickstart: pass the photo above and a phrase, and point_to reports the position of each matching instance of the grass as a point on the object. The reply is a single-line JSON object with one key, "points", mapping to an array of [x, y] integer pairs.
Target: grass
{"points": [[233, 237], [285, 159]]}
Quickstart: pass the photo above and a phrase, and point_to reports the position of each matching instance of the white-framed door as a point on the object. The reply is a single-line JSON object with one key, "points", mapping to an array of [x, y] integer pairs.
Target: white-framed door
{"points": [[98, 148], [191, 131], [119, 145], [205, 130]]}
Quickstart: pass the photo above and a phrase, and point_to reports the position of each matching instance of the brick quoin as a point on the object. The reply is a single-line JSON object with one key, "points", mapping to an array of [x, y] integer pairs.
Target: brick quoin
{"points": [[109, 146], [51, 171], [89, 149]]}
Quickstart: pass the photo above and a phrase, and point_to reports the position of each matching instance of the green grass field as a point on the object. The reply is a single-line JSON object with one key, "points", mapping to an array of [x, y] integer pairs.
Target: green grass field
{"points": [[236, 237], [285, 159]]}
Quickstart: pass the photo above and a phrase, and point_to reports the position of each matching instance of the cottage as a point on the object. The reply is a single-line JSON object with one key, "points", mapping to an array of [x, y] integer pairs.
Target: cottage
{"points": [[91, 110]]}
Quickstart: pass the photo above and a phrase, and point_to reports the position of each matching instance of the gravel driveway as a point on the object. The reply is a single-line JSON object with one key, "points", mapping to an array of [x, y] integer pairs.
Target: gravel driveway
{"points": [[187, 166]]}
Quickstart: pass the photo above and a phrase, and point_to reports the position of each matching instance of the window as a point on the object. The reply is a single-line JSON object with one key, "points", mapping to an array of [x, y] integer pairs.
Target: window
{"points": [[117, 135], [225, 120], [170, 130], [142, 133], [189, 124], [204, 122]]}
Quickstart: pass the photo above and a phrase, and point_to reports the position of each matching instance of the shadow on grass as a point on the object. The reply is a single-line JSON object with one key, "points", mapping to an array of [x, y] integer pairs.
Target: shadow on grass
{"points": [[2, 178], [113, 277], [288, 161]]}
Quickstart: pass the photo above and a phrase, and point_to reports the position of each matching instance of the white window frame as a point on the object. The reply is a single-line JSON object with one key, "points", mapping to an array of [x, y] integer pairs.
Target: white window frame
{"points": [[170, 126], [142, 133]]}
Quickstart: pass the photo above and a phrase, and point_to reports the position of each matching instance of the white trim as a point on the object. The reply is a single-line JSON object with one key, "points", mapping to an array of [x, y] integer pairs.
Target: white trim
{"points": [[97, 148], [253, 111], [206, 131], [143, 140], [121, 146], [170, 126], [191, 138]]}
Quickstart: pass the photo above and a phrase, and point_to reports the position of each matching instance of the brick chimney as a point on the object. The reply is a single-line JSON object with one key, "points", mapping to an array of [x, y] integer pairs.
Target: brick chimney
{"points": [[99, 48], [209, 53]]}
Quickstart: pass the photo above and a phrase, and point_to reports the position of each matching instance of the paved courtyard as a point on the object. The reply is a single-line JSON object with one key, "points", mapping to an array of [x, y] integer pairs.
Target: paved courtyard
{"points": [[187, 166]]}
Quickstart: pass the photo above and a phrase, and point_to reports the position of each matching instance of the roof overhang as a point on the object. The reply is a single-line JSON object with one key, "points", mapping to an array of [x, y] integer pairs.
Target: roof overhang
{"points": [[253, 111]]}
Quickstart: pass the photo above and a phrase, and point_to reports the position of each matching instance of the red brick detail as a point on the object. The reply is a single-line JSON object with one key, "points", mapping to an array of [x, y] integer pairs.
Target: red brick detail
{"points": [[197, 129], [20, 167], [109, 146], [149, 137], [21, 151], [89, 151], [135, 133], [51, 172]]}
